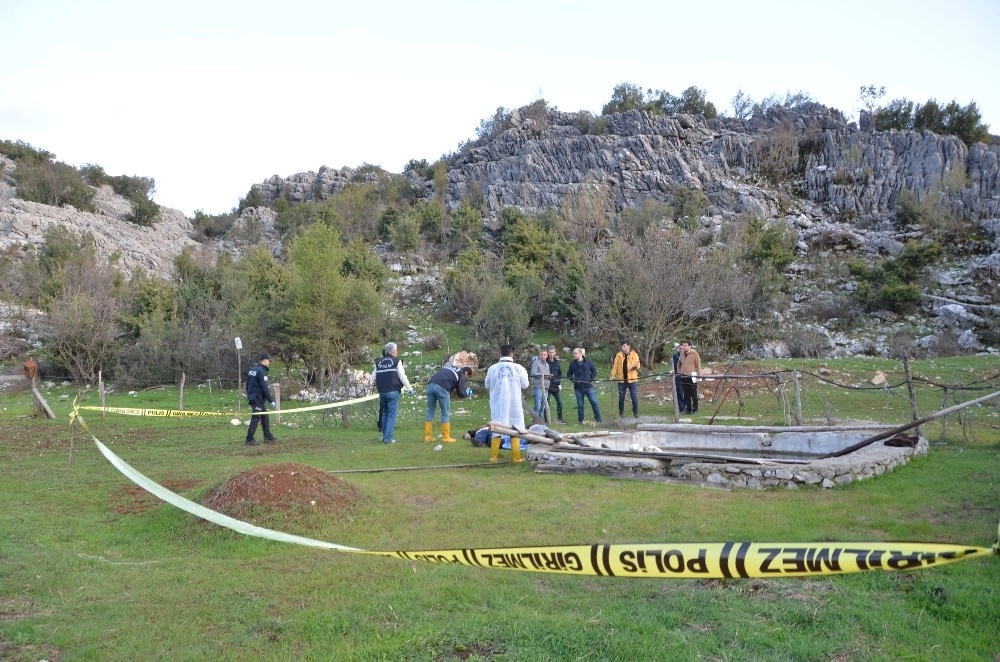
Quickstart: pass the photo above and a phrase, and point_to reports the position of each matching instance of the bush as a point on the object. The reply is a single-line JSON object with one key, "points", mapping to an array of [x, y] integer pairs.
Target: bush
{"points": [[212, 225], [435, 341], [502, 319], [806, 344]]}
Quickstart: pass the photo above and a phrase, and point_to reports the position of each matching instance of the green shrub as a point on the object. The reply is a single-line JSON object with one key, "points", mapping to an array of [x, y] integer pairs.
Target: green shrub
{"points": [[502, 319], [212, 225], [907, 209], [405, 234]]}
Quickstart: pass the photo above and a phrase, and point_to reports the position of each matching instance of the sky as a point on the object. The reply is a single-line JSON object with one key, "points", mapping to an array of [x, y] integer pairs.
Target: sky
{"points": [[211, 97]]}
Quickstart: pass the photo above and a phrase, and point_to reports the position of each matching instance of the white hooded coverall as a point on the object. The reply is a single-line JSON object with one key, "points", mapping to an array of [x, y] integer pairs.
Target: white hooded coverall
{"points": [[505, 380]]}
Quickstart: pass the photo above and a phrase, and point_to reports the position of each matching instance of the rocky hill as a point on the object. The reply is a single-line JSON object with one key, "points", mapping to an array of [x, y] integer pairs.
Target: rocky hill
{"points": [[836, 183]]}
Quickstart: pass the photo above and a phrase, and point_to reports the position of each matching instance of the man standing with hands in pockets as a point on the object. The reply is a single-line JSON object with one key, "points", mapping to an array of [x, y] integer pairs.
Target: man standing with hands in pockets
{"points": [[625, 371]]}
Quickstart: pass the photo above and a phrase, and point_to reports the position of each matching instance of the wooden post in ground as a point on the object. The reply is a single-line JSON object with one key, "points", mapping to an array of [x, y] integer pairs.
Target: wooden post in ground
{"points": [[40, 402], [677, 404], [913, 395], [180, 397], [277, 402], [798, 397], [101, 392]]}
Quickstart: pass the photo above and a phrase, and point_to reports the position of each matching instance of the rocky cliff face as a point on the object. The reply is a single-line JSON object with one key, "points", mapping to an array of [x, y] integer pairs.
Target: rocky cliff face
{"points": [[538, 161], [153, 249]]}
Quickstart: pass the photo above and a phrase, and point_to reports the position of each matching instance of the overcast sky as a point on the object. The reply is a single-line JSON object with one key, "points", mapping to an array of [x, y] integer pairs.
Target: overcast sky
{"points": [[208, 98]]}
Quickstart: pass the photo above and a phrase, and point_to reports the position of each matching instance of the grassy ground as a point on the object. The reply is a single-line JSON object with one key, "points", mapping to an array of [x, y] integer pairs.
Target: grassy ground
{"points": [[92, 569]]}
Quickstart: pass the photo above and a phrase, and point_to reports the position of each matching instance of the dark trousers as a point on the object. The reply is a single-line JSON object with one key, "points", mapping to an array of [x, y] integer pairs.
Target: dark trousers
{"points": [[690, 397], [558, 396], [682, 401], [633, 391], [263, 419]]}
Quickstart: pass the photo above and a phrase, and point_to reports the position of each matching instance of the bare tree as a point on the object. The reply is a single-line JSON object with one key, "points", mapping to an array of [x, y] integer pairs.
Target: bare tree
{"points": [[83, 319], [662, 287]]}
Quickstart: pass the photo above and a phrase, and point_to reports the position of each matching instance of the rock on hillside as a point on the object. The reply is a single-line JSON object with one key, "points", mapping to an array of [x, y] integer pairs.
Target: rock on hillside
{"points": [[152, 248]]}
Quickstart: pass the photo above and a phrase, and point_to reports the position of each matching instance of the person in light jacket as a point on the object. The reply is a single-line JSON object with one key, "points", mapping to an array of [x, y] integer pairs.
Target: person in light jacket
{"points": [[505, 380], [689, 366], [625, 371]]}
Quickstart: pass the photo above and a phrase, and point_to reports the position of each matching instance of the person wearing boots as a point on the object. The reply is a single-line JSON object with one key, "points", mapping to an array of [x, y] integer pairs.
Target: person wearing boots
{"points": [[390, 381], [506, 380], [258, 393], [439, 388]]}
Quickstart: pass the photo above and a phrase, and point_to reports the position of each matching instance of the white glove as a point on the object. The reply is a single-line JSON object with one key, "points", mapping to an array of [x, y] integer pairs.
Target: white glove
{"points": [[694, 377], [273, 405]]}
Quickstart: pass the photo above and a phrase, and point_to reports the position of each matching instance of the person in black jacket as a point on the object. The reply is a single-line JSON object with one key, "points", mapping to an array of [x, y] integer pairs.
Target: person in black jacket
{"points": [[555, 382], [258, 394], [582, 373], [447, 379], [390, 380]]}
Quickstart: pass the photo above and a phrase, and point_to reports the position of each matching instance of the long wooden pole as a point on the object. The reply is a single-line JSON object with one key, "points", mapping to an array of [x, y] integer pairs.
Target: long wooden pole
{"points": [[902, 428]]}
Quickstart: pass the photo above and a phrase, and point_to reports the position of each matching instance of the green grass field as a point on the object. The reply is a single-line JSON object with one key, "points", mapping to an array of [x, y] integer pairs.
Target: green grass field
{"points": [[92, 569]]}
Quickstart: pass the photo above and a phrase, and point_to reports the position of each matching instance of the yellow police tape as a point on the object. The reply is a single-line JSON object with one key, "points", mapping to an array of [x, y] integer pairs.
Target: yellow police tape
{"points": [[132, 411], [683, 561]]}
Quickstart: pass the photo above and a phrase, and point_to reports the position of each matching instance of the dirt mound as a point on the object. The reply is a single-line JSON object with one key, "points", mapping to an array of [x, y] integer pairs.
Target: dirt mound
{"points": [[280, 491]]}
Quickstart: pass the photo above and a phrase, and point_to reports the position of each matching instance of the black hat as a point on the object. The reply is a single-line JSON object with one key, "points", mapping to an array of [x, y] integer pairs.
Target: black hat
{"points": [[264, 357]]}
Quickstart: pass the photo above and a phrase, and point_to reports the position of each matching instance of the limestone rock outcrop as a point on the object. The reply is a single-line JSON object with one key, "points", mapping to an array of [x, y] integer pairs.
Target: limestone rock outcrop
{"points": [[150, 248]]}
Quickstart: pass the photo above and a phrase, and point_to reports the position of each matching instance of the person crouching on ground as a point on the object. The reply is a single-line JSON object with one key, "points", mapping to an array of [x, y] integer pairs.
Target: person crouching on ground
{"points": [[505, 380], [258, 394], [439, 388]]}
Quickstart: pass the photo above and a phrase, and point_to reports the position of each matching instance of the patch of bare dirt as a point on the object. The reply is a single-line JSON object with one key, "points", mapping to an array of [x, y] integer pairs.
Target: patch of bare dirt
{"points": [[133, 500], [28, 652], [282, 490]]}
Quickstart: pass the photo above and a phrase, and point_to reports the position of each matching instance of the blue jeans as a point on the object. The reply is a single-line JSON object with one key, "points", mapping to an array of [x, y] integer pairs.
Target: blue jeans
{"points": [[558, 396], [592, 396], [389, 402], [436, 395], [539, 394], [633, 391]]}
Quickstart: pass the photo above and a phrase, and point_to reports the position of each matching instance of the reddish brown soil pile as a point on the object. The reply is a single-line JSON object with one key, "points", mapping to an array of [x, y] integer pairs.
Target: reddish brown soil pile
{"points": [[263, 493]]}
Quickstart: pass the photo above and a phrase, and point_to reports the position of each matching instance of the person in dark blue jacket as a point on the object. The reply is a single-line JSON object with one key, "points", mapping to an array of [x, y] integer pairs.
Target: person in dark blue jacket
{"points": [[390, 380], [583, 373], [258, 393], [447, 379]]}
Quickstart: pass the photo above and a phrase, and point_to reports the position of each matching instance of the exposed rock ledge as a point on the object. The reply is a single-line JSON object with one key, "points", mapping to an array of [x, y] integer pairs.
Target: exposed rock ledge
{"points": [[24, 223]]}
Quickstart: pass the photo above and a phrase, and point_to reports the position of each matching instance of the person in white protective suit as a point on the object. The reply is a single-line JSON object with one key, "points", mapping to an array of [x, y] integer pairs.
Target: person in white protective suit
{"points": [[505, 380]]}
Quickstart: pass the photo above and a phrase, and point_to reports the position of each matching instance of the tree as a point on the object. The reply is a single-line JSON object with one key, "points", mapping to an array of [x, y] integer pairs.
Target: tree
{"points": [[329, 319], [625, 96], [83, 319]]}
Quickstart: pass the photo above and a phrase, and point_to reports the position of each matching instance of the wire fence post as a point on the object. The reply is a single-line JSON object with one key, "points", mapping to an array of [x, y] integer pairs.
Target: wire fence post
{"points": [[796, 389], [912, 392]]}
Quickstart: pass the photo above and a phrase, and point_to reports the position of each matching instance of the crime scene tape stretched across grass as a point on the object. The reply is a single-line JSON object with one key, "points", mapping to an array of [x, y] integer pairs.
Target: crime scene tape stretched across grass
{"points": [[686, 560], [134, 411]]}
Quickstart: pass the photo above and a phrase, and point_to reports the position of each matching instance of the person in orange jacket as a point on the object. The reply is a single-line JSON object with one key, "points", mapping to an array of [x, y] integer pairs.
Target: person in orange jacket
{"points": [[625, 371]]}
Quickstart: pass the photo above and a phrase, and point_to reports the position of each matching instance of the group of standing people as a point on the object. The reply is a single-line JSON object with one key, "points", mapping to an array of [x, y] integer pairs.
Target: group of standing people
{"points": [[505, 381]]}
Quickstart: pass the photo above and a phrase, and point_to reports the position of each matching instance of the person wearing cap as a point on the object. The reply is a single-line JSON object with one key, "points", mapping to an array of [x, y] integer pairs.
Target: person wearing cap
{"points": [[439, 388], [390, 379], [258, 393]]}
